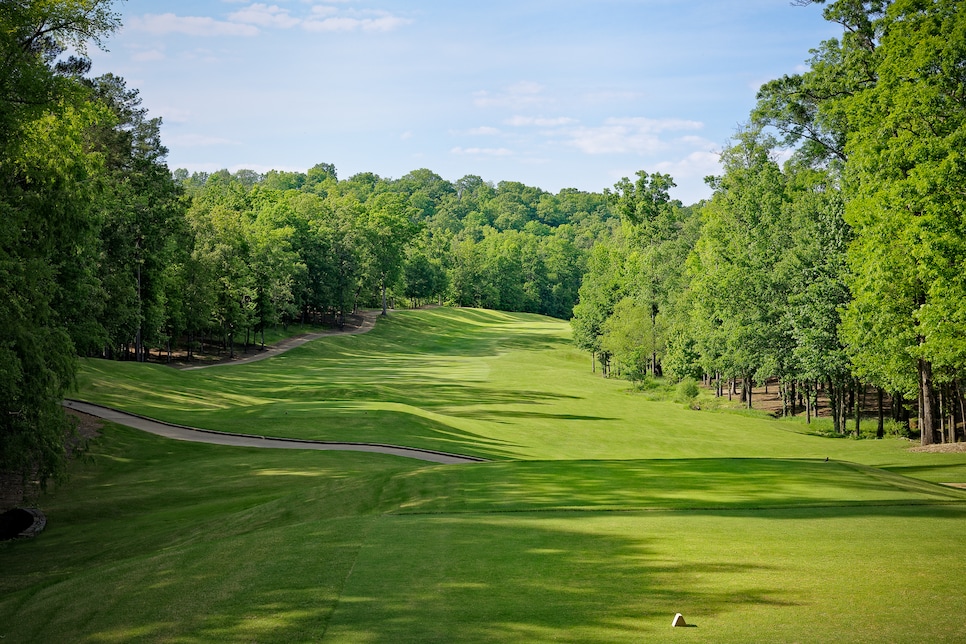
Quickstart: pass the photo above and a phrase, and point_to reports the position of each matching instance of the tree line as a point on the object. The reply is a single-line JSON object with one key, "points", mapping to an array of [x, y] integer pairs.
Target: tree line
{"points": [[106, 252], [842, 267], [254, 251], [831, 253]]}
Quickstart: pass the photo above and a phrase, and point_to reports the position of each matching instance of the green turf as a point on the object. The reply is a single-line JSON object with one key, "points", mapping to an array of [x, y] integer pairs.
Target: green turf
{"points": [[831, 575], [689, 484], [498, 385], [604, 514]]}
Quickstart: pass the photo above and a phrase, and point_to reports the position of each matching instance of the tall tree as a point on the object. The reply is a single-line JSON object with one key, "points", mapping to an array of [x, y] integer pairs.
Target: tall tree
{"points": [[739, 300], [48, 181], [907, 208], [389, 226]]}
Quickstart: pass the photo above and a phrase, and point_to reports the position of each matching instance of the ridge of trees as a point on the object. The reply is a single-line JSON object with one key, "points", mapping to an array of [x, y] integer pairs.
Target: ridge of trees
{"points": [[845, 266], [106, 252], [289, 246]]}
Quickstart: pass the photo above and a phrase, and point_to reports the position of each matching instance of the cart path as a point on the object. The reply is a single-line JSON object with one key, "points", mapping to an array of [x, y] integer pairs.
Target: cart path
{"points": [[368, 322], [181, 432]]}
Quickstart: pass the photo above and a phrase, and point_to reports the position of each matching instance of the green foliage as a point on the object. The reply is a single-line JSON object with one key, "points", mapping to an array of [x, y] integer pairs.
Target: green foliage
{"points": [[687, 391], [50, 177]]}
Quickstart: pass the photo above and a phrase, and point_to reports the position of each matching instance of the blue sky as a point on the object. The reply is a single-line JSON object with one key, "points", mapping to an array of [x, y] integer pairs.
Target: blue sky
{"points": [[555, 94]]}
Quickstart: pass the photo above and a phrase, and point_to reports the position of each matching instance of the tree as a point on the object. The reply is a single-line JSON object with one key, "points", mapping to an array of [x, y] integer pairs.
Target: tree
{"points": [[906, 135], [649, 220], [48, 181], [141, 211], [627, 336], [603, 286], [739, 300], [389, 227]]}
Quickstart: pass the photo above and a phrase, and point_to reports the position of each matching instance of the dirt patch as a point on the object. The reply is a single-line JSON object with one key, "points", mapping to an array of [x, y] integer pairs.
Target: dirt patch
{"points": [[940, 448], [88, 427]]}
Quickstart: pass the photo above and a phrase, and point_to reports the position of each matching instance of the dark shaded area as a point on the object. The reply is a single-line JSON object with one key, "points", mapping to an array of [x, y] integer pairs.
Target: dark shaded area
{"points": [[568, 583], [13, 522]]}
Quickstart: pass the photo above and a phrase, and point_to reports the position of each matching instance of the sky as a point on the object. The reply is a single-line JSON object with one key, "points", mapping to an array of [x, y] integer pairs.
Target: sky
{"points": [[551, 93]]}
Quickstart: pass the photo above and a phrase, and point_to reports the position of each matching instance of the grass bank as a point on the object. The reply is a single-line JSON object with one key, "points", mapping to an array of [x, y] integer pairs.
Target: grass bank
{"points": [[602, 515]]}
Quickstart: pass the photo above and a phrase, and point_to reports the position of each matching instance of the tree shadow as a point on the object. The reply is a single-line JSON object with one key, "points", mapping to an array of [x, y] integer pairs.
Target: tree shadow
{"points": [[699, 486], [532, 578]]}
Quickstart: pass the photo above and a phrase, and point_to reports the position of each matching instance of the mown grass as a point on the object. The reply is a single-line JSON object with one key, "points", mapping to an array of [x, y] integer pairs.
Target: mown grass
{"points": [[498, 385], [602, 515]]}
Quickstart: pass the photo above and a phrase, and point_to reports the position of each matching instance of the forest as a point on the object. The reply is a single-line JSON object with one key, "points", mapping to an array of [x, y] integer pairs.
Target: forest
{"points": [[832, 253]]}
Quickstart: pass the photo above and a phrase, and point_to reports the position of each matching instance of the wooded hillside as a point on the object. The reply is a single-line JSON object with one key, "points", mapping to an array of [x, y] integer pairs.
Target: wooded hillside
{"points": [[832, 252]]}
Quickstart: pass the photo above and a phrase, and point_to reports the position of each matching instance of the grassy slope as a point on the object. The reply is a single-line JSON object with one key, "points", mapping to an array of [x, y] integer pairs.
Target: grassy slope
{"points": [[493, 384], [622, 512]]}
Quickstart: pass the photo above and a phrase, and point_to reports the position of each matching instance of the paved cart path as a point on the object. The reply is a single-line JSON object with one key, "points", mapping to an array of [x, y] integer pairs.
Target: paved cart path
{"points": [[368, 322], [181, 432], [184, 433]]}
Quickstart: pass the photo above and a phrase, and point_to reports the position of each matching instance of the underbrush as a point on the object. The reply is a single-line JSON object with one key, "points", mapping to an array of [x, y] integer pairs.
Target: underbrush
{"points": [[868, 428], [693, 396]]}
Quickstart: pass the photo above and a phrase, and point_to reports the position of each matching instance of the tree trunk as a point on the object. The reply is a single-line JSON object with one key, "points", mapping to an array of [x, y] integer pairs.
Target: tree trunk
{"points": [[384, 295], [880, 430], [808, 402], [926, 397], [942, 415], [962, 405], [858, 406], [834, 406]]}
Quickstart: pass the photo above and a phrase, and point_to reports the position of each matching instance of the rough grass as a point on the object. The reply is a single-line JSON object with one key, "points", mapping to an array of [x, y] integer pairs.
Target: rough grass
{"points": [[603, 515]]}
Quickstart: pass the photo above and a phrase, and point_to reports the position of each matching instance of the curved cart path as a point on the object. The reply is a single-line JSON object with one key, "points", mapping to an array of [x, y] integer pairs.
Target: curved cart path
{"points": [[368, 322], [181, 432]]}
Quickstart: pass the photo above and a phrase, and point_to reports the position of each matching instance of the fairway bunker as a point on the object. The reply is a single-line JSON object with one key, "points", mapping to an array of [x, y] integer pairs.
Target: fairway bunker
{"points": [[21, 523]]}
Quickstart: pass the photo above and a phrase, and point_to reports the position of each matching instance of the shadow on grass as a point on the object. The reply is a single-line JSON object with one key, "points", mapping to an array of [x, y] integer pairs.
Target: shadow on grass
{"points": [[532, 578], [460, 332], [694, 485], [503, 414]]}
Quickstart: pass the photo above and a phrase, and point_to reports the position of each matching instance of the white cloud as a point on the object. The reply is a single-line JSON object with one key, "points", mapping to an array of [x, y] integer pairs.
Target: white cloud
{"points": [[524, 121], [485, 152], [697, 164], [328, 19], [249, 20], [483, 131], [627, 135], [323, 11], [265, 16], [518, 96], [167, 23]]}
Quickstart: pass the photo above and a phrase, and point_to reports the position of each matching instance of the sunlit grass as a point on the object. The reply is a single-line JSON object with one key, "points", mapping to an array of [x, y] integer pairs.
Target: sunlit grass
{"points": [[159, 540], [602, 515], [485, 383], [691, 484], [806, 575]]}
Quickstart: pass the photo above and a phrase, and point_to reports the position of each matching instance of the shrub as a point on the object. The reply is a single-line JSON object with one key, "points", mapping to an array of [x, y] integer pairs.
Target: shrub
{"points": [[896, 429], [687, 391]]}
